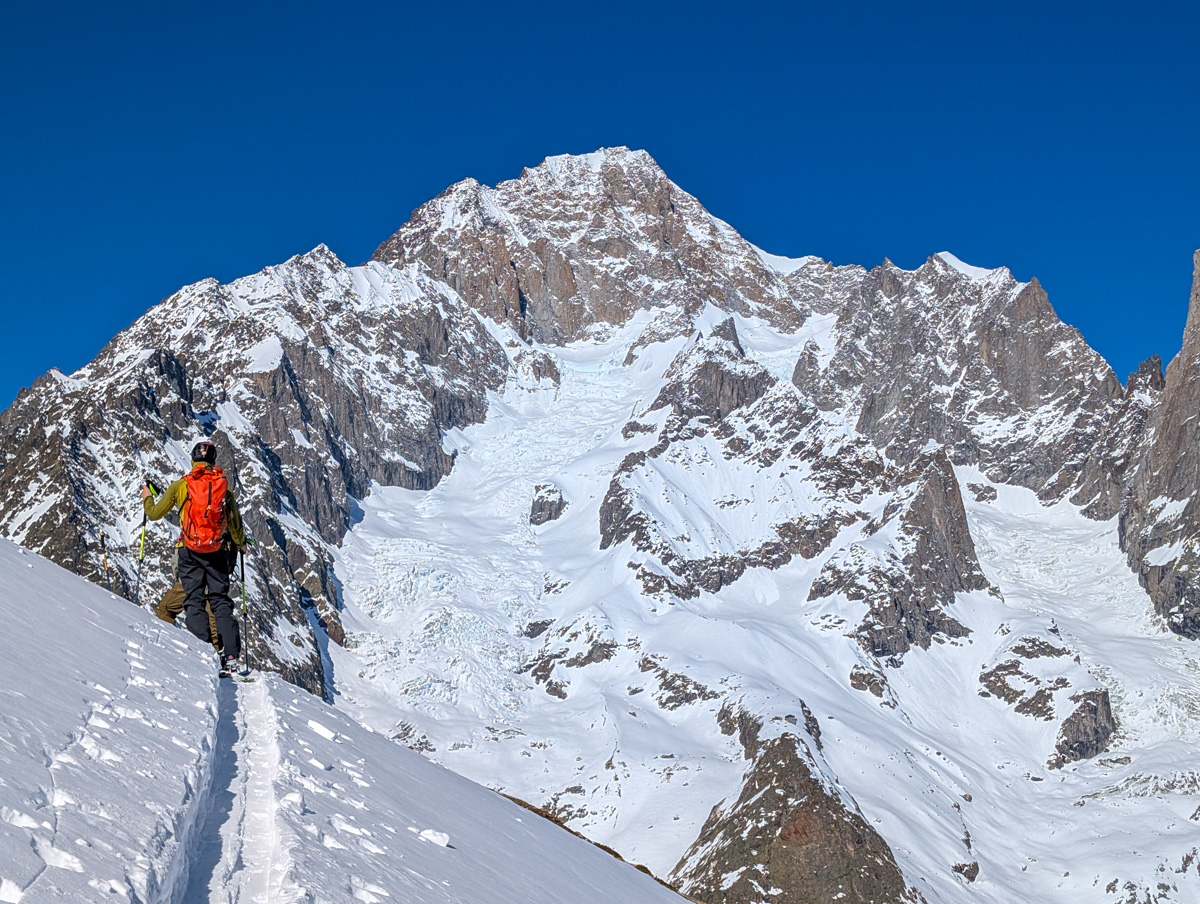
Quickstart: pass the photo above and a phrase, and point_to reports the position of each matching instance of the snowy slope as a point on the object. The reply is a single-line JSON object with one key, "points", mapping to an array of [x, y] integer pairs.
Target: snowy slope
{"points": [[106, 735], [128, 774], [448, 593]]}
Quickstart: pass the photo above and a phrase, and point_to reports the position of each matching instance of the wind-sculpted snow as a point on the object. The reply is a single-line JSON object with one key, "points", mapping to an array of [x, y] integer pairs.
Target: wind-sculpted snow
{"points": [[107, 729]]}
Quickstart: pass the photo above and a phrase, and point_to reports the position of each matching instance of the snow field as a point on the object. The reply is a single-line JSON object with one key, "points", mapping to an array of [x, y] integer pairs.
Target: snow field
{"points": [[364, 819], [441, 586]]}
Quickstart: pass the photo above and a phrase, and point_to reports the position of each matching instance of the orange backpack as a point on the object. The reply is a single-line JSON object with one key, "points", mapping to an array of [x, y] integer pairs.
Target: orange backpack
{"points": [[202, 519]]}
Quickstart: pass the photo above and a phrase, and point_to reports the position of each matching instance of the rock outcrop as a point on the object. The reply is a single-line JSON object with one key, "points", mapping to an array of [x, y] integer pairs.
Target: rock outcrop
{"points": [[789, 837], [1086, 732], [584, 241], [975, 362], [713, 377], [1160, 515], [547, 505], [909, 587]]}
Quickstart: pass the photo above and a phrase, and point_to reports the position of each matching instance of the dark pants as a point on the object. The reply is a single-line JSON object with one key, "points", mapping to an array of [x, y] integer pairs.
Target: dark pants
{"points": [[208, 573], [171, 605]]}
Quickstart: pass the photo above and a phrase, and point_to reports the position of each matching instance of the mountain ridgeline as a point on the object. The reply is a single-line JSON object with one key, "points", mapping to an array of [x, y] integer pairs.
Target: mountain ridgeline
{"points": [[322, 383]]}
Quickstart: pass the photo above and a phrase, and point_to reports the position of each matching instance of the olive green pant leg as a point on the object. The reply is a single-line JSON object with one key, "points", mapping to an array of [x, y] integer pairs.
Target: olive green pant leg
{"points": [[212, 626], [171, 604]]}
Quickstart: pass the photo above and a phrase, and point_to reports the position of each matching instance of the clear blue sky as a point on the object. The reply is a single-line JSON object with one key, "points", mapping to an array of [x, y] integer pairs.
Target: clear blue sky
{"points": [[149, 145]]}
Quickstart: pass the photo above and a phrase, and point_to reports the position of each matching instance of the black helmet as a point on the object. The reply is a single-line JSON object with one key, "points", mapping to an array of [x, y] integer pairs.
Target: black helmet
{"points": [[204, 451]]}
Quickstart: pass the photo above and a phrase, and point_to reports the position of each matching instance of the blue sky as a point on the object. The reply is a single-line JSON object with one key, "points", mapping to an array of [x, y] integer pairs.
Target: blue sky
{"points": [[147, 146]]}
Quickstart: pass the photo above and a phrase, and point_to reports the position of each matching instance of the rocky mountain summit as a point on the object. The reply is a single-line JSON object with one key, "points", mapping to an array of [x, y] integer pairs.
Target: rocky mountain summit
{"points": [[773, 575]]}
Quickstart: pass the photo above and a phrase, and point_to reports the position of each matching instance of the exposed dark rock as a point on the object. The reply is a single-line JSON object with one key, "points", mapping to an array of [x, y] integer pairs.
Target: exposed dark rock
{"points": [[786, 830], [407, 734], [537, 628], [1030, 695], [534, 366], [1086, 732], [726, 330], [598, 652], [1036, 648], [1116, 455], [908, 594], [998, 681], [580, 241], [675, 689], [1159, 511], [862, 679], [305, 419], [548, 504], [633, 428], [713, 377], [982, 492], [969, 871], [967, 363], [734, 719]]}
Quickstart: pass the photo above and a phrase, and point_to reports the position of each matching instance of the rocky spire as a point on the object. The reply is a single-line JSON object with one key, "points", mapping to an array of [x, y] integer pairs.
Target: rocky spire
{"points": [[1160, 516]]}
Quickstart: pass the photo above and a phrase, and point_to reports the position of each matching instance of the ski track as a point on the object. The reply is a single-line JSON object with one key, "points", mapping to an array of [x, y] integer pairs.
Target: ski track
{"points": [[265, 864], [239, 856], [206, 863]]}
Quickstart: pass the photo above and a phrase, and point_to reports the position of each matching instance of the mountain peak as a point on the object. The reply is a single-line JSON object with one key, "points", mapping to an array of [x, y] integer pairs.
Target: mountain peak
{"points": [[1191, 332], [955, 263], [596, 160]]}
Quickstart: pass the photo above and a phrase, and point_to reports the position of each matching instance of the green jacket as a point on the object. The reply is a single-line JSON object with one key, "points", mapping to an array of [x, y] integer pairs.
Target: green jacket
{"points": [[176, 495]]}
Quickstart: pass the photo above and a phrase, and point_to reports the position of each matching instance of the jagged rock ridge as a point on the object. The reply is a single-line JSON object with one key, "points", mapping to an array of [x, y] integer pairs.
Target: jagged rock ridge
{"points": [[315, 380]]}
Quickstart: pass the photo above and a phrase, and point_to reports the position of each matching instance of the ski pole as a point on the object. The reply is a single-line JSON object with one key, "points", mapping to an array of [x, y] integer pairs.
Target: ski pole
{"points": [[104, 555], [245, 611], [137, 589]]}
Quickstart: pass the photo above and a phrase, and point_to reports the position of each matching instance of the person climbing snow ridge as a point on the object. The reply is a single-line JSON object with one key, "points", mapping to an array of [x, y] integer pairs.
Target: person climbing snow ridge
{"points": [[207, 510]]}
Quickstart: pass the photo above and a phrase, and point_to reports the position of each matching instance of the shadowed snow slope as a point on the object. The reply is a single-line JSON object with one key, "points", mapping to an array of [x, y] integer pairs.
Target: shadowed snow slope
{"points": [[128, 774]]}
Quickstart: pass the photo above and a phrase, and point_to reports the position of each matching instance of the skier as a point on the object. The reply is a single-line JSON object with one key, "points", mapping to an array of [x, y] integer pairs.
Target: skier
{"points": [[207, 509]]}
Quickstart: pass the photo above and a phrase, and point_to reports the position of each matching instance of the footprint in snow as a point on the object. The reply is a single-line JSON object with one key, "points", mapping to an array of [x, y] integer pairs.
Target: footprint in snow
{"points": [[56, 857], [367, 892], [441, 839]]}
